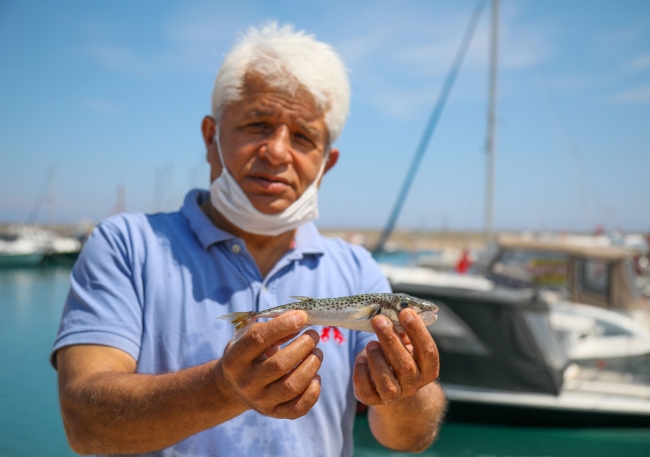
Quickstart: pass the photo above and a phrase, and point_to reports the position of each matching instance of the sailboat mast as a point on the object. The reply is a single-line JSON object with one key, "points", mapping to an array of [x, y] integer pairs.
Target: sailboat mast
{"points": [[491, 120], [431, 125]]}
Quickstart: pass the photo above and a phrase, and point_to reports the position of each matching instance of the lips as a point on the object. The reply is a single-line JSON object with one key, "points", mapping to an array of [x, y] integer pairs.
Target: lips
{"points": [[270, 183]]}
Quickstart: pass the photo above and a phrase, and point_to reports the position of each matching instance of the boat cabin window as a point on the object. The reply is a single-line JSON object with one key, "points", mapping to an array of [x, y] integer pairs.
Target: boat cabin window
{"points": [[452, 334], [594, 276], [527, 268], [637, 291], [547, 341]]}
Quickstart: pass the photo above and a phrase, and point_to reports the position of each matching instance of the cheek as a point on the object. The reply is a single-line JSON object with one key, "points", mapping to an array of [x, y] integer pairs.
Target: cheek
{"points": [[307, 169], [239, 165], [215, 164]]}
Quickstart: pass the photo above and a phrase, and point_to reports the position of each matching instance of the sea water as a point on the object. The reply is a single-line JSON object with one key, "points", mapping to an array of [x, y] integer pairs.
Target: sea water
{"points": [[31, 301]]}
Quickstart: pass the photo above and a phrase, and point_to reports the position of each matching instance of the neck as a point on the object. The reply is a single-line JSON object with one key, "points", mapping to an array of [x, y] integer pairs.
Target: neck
{"points": [[266, 250]]}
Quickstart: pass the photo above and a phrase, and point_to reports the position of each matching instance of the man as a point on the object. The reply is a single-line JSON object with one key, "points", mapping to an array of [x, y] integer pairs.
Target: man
{"points": [[144, 365]]}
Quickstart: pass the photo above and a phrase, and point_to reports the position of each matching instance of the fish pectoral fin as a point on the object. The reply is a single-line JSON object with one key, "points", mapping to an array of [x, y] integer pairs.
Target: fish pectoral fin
{"points": [[368, 312], [301, 298]]}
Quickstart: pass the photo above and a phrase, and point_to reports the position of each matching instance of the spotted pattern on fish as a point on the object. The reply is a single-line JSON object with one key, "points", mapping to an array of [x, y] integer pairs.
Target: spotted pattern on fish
{"points": [[353, 312]]}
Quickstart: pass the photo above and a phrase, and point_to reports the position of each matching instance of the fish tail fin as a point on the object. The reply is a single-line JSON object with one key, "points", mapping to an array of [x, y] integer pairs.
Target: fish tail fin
{"points": [[242, 322]]}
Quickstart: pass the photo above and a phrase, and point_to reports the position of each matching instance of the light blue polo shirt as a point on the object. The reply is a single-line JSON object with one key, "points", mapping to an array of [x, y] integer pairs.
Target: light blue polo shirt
{"points": [[154, 285]]}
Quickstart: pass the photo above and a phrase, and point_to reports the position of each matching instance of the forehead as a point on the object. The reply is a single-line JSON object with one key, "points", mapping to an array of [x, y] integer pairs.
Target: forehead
{"points": [[262, 100]]}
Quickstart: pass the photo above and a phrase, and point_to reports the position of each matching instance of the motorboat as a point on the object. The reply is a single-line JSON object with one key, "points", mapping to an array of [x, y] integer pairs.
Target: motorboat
{"points": [[502, 362], [596, 307]]}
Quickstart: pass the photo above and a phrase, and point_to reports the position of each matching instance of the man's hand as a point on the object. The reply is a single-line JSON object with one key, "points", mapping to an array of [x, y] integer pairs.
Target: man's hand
{"points": [[399, 365], [107, 408], [281, 383], [395, 377]]}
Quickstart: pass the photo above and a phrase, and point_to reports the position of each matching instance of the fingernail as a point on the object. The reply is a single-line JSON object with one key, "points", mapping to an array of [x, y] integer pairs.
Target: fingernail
{"points": [[316, 379], [382, 322], [362, 359], [408, 317], [373, 346]]}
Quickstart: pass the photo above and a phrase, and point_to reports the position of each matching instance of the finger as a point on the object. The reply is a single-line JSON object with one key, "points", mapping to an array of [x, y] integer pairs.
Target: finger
{"points": [[263, 335], [276, 347], [364, 389], [300, 405], [386, 383], [286, 339], [425, 352], [405, 339], [286, 359], [295, 382], [398, 356]]}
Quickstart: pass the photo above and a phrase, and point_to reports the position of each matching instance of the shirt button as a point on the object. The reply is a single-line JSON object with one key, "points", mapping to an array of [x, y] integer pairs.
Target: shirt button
{"points": [[235, 248]]}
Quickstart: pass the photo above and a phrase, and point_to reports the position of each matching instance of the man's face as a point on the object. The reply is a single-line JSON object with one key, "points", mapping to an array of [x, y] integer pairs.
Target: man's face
{"points": [[273, 144]]}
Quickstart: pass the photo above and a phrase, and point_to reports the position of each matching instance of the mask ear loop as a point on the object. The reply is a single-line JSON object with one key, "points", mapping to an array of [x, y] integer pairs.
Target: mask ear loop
{"points": [[217, 140], [321, 172]]}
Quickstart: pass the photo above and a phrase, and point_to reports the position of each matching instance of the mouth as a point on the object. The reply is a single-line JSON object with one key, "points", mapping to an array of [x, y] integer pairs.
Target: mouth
{"points": [[270, 183]]}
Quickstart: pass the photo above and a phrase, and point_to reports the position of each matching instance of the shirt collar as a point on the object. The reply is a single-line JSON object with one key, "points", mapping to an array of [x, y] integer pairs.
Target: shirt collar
{"points": [[201, 225], [307, 240]]}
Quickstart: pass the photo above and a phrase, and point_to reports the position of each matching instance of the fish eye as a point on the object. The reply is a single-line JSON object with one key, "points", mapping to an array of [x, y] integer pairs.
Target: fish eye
{"points": [[404, 305]]}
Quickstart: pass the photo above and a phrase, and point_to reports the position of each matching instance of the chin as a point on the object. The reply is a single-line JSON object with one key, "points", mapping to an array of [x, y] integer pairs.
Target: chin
{"points": [[268, 205]]}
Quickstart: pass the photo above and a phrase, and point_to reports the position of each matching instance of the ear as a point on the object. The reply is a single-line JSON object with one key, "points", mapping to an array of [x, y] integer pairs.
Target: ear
{"points": [[331, 159], [208, 129]]}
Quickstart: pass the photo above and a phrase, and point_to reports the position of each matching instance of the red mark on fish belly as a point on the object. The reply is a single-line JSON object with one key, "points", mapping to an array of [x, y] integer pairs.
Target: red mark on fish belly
{"points": [[338, 336]]}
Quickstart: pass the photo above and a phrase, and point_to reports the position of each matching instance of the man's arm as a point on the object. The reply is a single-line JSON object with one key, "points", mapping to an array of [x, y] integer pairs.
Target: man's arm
{"points": [[395, 377], [108, 408], [410, 424]]}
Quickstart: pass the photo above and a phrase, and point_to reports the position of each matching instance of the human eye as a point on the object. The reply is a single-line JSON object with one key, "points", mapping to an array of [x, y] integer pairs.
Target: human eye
{"points": [[304, 139], [256, 126], [302, 136]]}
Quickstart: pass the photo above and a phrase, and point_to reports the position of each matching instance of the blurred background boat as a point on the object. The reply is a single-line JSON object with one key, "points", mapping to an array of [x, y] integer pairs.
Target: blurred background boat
{"points": [[29, 246], [503, 362], [596, 307]]}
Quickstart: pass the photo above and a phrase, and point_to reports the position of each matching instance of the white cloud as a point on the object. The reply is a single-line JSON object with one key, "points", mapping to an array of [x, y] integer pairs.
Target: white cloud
{"points": [[639, 62], [401, 55], [101, 106], [193, 40], [637, 95], [398, 53], [620, 38], [119, 59]]}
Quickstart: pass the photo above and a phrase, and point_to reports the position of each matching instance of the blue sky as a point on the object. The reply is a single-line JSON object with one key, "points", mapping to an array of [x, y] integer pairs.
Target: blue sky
{"points": [[113, 93]]}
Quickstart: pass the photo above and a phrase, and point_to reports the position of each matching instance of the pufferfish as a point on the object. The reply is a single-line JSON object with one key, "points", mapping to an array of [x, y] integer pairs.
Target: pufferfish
{"points": [[353, 312]]}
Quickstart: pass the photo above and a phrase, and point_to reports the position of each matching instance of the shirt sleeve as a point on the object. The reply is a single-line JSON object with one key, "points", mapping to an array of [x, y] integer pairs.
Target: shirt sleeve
{"points": [[102, 306], [373, 281]]}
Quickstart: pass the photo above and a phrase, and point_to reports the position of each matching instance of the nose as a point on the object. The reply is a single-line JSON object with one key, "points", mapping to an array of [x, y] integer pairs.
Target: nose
{"points": [[276, 148]]}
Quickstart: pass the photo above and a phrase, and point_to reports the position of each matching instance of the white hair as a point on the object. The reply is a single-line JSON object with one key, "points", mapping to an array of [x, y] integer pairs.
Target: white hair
{"points": [[286, 60]]}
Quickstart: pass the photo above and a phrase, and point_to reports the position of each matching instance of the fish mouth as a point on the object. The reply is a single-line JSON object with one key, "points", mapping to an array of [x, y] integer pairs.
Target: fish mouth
{"points": [[428, 317]]}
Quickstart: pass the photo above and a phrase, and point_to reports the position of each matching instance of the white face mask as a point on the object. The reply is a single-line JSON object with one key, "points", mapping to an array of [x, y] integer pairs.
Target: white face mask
{"points": [[232, 203]]}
